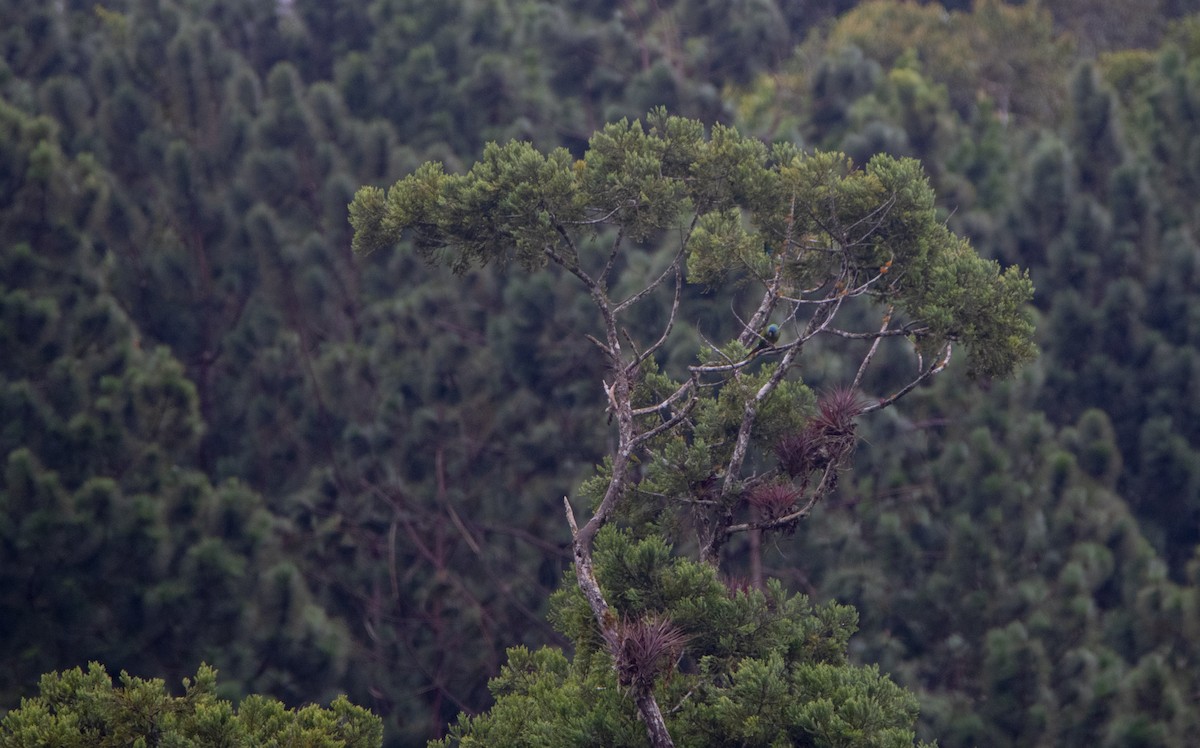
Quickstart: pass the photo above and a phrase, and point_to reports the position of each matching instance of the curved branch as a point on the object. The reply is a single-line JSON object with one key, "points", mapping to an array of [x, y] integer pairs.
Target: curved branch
{"points": [[594, 221], [670, 318], [820, 320], [666, 425], [898, 332], [612, 255], [823, 489], [678, 393], [770, 297], [862, 368], [941, 364], [622, 306]]}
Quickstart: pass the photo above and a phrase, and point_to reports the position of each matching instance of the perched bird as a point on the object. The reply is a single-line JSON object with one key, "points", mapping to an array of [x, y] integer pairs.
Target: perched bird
{"points": [[768, 338]]}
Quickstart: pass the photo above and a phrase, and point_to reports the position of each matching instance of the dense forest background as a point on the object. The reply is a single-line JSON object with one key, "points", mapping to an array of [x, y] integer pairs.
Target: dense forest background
{"points": [[224, 439]]}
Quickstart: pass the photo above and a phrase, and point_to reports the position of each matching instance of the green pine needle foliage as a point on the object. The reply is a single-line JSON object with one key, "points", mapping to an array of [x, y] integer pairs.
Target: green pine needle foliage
{"points": [[757, 667], [730, 197], [77, 709]]}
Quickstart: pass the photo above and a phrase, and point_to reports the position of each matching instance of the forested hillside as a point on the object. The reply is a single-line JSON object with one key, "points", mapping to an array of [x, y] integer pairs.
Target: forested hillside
{"points": [[226, 439]]}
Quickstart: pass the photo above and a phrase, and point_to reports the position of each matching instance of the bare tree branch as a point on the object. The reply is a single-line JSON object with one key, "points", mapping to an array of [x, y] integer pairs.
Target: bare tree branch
{"points": [[667, 425], [771, 295], [674, 266], [606, 273], [682, 390], [894, 333], [862, 368], [670, 318], [595, 340], [595, 221], [941, 364], [570, 517]]}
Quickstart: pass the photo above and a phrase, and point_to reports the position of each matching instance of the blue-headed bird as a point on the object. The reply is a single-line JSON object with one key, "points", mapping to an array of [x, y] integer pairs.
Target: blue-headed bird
{"points": [[768, 338]]}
